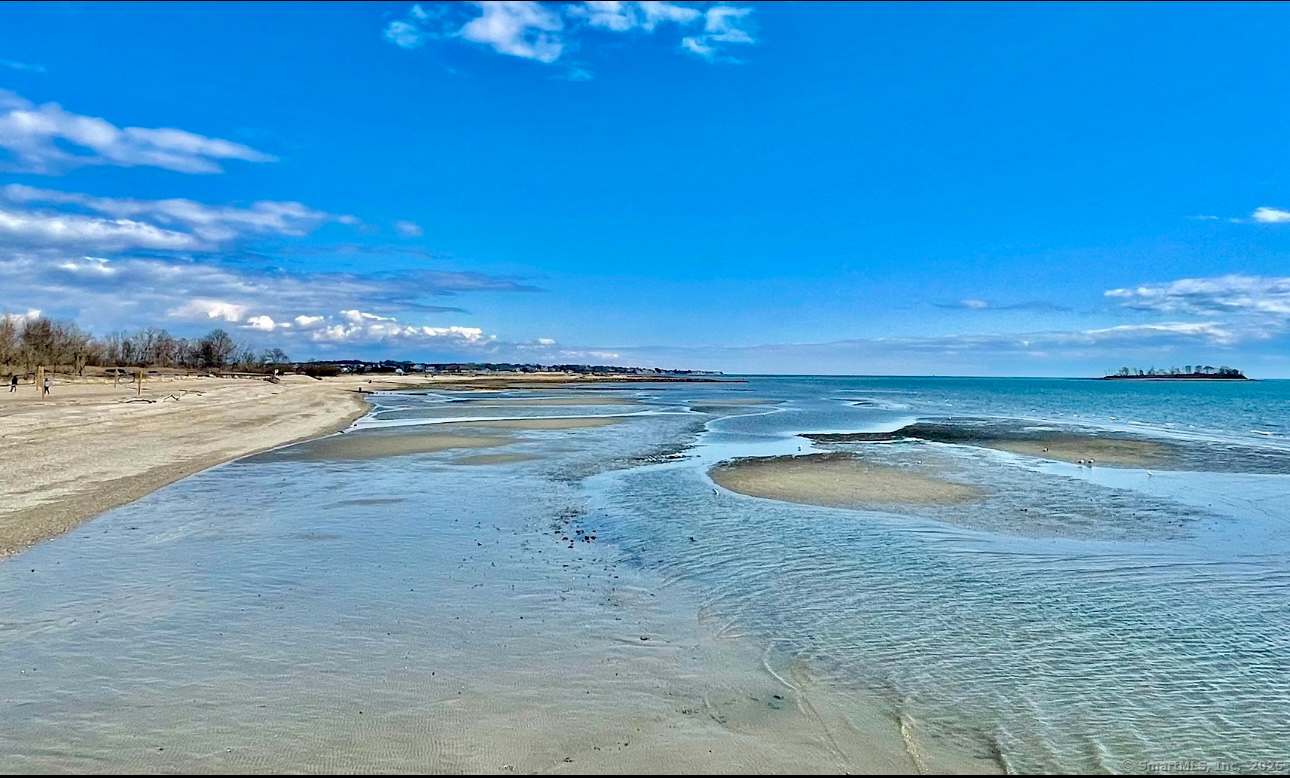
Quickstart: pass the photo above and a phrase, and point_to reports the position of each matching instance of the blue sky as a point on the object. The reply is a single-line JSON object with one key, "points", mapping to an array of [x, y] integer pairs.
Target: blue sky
{"points": [[995, 189]]}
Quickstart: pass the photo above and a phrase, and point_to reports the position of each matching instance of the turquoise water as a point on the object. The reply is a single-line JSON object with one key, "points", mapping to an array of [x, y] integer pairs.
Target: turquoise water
{"points": [[1072, 619]]}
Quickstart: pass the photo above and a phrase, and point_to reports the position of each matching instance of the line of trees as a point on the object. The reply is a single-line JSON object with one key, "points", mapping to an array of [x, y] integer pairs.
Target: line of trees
{"points": [[30, 342], [1174, 371]]}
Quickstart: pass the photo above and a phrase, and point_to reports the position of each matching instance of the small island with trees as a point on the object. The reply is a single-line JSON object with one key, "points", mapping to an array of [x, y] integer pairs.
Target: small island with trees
{"points": [[1187, 373]]}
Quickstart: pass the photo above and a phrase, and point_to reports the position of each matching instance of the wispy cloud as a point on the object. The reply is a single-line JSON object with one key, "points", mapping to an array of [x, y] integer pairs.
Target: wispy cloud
{"points": [[36, 139], [971, 304], [1257, 301], [626, 16], [544, 32], [22, 66], [119, 224], [111, 293]]}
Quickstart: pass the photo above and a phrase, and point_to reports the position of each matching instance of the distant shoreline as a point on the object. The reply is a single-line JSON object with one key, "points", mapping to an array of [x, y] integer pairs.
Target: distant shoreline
{"points": [[1174, 378]]}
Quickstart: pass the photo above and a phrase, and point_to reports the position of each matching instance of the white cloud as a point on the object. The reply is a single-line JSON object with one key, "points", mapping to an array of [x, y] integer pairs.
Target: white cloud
{"points": [[408, 229], [519, 28], [355, 326], [1267, 215], [176, 224], [975, 305], [199, 308], [723, 24], [264, 323], [32, 135], [538, 31]]}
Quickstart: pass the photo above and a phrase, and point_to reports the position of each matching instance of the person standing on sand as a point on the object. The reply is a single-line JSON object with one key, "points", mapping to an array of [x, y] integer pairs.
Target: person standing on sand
{"points": [[13, 382], [45, 392]]}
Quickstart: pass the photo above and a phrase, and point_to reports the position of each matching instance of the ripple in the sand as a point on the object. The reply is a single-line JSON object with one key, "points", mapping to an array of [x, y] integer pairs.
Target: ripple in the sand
{"points": [[836, 480]]}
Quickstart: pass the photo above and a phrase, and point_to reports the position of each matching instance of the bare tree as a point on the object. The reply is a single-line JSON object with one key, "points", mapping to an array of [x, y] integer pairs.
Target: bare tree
{"points": [[216, 349], [9, 340]]}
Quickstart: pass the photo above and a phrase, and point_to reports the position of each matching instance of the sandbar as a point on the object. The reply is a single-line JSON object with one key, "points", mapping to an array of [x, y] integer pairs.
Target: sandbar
{"points": [[1059, 445], [835, 480]]}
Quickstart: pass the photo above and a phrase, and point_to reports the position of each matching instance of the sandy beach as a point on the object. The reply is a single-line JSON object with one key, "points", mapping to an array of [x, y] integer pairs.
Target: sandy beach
{"points": [[93, 445]]}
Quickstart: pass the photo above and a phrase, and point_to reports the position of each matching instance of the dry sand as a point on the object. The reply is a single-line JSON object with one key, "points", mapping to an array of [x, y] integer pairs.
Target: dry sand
{"points": [[93, 446], [834, 480]]}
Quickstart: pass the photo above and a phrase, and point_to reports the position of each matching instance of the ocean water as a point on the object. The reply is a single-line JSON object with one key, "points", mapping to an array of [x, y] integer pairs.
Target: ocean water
{"points": [[1072, 619]]}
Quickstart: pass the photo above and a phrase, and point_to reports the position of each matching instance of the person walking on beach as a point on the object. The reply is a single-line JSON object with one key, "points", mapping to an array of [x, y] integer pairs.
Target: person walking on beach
{"points": [[13, 382], [45, 392]]}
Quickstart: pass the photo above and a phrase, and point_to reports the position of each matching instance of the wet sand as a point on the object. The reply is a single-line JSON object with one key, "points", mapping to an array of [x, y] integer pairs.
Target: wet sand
{"points": [[835, 480], [542, 424], [1059, 445]]}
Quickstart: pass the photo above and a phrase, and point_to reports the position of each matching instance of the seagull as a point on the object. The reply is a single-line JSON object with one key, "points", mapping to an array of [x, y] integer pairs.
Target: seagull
{"points": [[714, 490]]}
